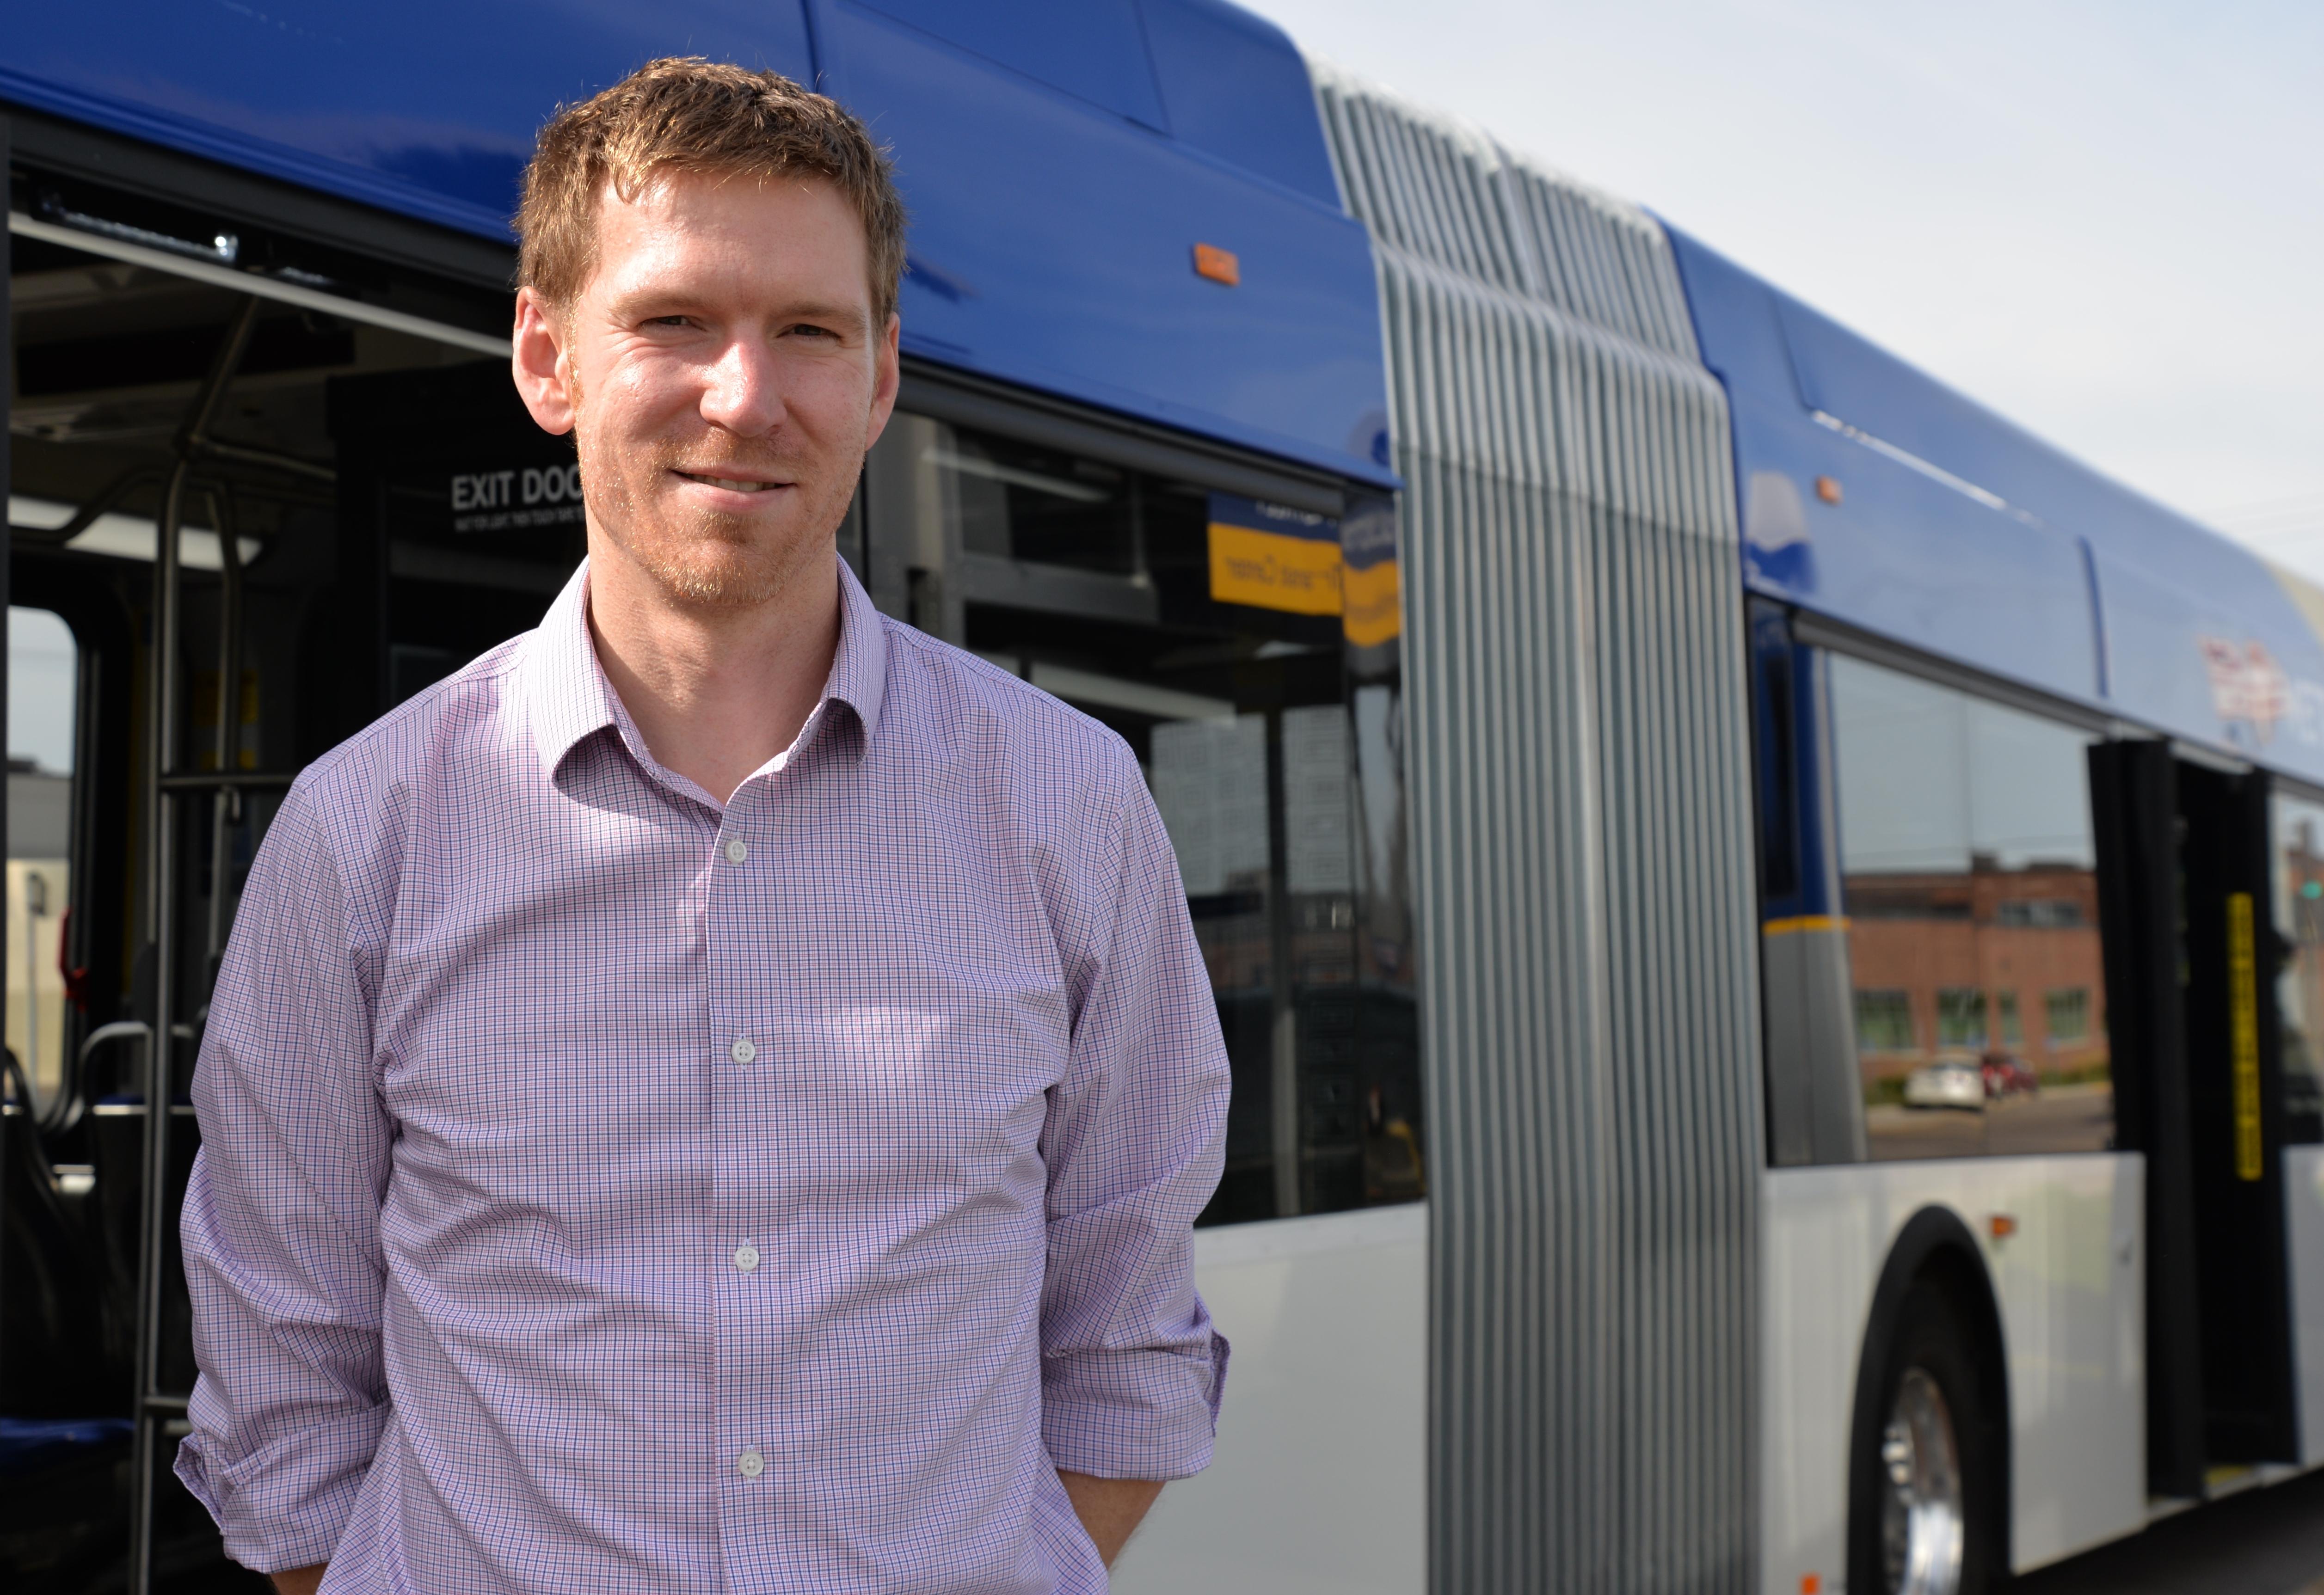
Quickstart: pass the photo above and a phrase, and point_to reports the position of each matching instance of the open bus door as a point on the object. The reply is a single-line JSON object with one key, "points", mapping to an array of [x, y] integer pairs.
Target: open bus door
{"points": [[2189, 967], [2236, 1116], [248, 510]]}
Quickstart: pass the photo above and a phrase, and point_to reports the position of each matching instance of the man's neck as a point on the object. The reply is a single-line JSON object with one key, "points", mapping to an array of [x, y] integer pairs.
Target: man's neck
{"points": [[716, 691]]}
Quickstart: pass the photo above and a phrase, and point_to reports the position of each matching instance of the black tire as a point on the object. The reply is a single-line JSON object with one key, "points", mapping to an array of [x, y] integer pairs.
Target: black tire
{"points": [[1928, 1346]]}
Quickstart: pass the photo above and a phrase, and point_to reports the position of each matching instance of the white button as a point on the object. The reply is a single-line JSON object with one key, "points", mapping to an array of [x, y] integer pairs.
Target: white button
{"points": [[746, 1257], [742, 1052], [737, 850], [751, 1464]]}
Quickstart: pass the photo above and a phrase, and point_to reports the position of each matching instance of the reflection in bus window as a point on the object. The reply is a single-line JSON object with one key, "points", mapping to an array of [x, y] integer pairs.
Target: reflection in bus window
{"points": [[1969, 878], [1270, 734], [1019, 501], [43, 673], [2300, 983]]}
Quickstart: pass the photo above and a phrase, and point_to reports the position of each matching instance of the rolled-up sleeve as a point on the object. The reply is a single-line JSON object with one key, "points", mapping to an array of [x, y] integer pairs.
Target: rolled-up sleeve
{"points": [[280, 1223], [1132, 1369]]}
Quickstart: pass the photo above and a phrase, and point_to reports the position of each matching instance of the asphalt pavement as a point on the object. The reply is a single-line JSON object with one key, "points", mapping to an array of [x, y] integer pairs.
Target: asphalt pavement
{"points": [[2062, 1118], [2261, 1542]]}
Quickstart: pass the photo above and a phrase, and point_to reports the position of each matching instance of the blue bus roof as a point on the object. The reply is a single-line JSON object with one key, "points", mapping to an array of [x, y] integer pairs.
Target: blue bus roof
{"points": [[1958, 532], [1061, 158]]}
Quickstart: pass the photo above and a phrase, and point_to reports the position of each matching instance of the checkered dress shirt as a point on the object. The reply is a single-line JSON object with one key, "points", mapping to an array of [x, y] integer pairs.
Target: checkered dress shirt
{"points": [[605, 1188]]}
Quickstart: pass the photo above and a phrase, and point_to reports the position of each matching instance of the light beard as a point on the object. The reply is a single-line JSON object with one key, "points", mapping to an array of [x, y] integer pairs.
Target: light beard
{"points": [[706, 559]]}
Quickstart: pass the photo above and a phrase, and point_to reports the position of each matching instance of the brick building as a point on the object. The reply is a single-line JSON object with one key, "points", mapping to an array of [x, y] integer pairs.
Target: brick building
{"points": [[1993, 959]]}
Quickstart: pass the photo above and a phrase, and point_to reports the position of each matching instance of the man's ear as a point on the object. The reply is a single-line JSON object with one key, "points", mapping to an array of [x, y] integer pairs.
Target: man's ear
{"points": [[537, 362], [888, 377]]}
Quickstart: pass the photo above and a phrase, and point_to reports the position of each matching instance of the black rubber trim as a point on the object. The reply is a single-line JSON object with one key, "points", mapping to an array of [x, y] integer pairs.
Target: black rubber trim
{"points": [[75, 150]]}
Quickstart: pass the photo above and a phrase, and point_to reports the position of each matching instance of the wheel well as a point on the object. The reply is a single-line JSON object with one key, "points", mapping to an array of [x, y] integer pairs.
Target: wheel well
{"points": [[1934, 1247]]}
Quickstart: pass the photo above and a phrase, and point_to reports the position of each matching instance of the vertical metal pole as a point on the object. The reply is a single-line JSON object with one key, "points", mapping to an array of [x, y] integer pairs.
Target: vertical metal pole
{"points": [[153, 1409], [160, 860], [226, 804], [36, 908], [8, 383], [1283, 1028]]}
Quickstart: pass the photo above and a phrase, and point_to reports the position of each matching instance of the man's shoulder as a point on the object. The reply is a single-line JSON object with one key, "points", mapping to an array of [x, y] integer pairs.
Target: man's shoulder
{"points": [[412, 738], [981, 709]]}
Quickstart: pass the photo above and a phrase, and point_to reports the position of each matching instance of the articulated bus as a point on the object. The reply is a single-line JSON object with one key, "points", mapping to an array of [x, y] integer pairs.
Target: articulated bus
{"points": [[1769, 927]]}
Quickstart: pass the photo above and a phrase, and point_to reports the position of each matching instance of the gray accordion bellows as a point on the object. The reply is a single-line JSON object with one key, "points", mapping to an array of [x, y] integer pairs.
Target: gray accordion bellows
{"points": [[1579, 752]]}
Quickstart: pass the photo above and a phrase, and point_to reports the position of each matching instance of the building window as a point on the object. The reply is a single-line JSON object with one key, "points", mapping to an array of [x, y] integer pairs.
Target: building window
{"points": [[2038, 913], [2068, 1014], [1960, 1015], [2013, 1031], [1884, 1021]]}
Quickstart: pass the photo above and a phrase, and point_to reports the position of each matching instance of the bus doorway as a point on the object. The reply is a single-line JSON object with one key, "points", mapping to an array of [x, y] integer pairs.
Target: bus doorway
{"points": [[2190, 965], [2236, 1116], [237, 465]]}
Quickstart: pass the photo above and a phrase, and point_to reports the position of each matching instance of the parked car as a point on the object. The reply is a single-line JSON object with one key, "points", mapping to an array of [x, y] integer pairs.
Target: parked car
{"points": [[2006, 1075], [1949, 1083]]}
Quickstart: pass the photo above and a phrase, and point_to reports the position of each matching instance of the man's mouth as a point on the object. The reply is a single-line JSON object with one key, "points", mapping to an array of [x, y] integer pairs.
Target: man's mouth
{"points": [[732, 483]]}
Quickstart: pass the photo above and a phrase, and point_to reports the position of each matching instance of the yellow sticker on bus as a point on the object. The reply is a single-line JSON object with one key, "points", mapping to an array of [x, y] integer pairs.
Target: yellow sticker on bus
{"points": [[2243, 1035], [1375, 612]]}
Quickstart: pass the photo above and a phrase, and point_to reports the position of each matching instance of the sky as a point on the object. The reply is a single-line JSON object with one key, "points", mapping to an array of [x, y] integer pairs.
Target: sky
{"points": [[2104, 218]]}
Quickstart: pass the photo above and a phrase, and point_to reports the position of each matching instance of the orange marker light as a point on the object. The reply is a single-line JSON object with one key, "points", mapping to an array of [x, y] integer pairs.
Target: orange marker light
{"points": [[1810, 1584], [2002, 1226], [1828, 489], [1218, 265]]}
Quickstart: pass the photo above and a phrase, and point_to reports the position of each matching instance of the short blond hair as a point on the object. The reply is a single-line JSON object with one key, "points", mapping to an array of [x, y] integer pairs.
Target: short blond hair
{"points": [[686, 114]]}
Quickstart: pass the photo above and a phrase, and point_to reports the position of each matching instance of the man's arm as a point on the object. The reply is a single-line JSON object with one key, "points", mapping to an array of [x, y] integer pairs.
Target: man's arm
{"points": [[281, 1222], [299, 1581], [1131, 1368], [1111, 1510]]}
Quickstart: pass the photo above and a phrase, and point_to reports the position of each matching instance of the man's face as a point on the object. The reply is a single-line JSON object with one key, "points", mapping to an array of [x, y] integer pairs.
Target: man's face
{"points": [[722, 376]]}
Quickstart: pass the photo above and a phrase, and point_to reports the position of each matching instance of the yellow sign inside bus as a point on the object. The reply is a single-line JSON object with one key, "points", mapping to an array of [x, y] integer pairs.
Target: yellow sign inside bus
{"points": [[1272, 557], [1269, 570]]}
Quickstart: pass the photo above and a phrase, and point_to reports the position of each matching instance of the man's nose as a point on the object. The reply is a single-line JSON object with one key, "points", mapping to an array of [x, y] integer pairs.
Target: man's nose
{"points": [[744, 394]]}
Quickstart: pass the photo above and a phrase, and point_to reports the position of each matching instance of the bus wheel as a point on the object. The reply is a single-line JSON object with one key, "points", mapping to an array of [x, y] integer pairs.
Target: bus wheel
{"points": [[1924, 1482]]}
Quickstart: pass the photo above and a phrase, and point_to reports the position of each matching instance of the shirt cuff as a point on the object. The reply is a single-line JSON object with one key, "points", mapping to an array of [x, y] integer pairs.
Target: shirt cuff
{"points": [[1134, 1415], [286, 1504]]}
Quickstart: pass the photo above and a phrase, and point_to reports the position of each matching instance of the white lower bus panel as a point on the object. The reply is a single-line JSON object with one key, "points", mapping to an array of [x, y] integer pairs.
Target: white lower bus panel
{"points": [[1321, 1480], [2069, 1286], [2303, 1195]]}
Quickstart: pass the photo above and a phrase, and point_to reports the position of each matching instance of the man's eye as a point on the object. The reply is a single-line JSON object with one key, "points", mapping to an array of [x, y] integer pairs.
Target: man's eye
{"points": [[670, 321], [809, 330]]}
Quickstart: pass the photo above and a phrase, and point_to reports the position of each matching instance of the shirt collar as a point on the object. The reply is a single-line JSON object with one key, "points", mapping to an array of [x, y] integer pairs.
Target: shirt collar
{"points": [[567, 699], [859, 669]]}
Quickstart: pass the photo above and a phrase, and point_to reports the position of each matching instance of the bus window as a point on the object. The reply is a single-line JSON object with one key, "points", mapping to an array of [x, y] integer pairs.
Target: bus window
{"points": [[1269, 734], [44, 680], [1969, 886], [2299, 825]]}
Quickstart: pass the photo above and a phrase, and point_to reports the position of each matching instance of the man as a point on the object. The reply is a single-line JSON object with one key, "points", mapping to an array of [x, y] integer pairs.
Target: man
{"points": [[713, 1095]]}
